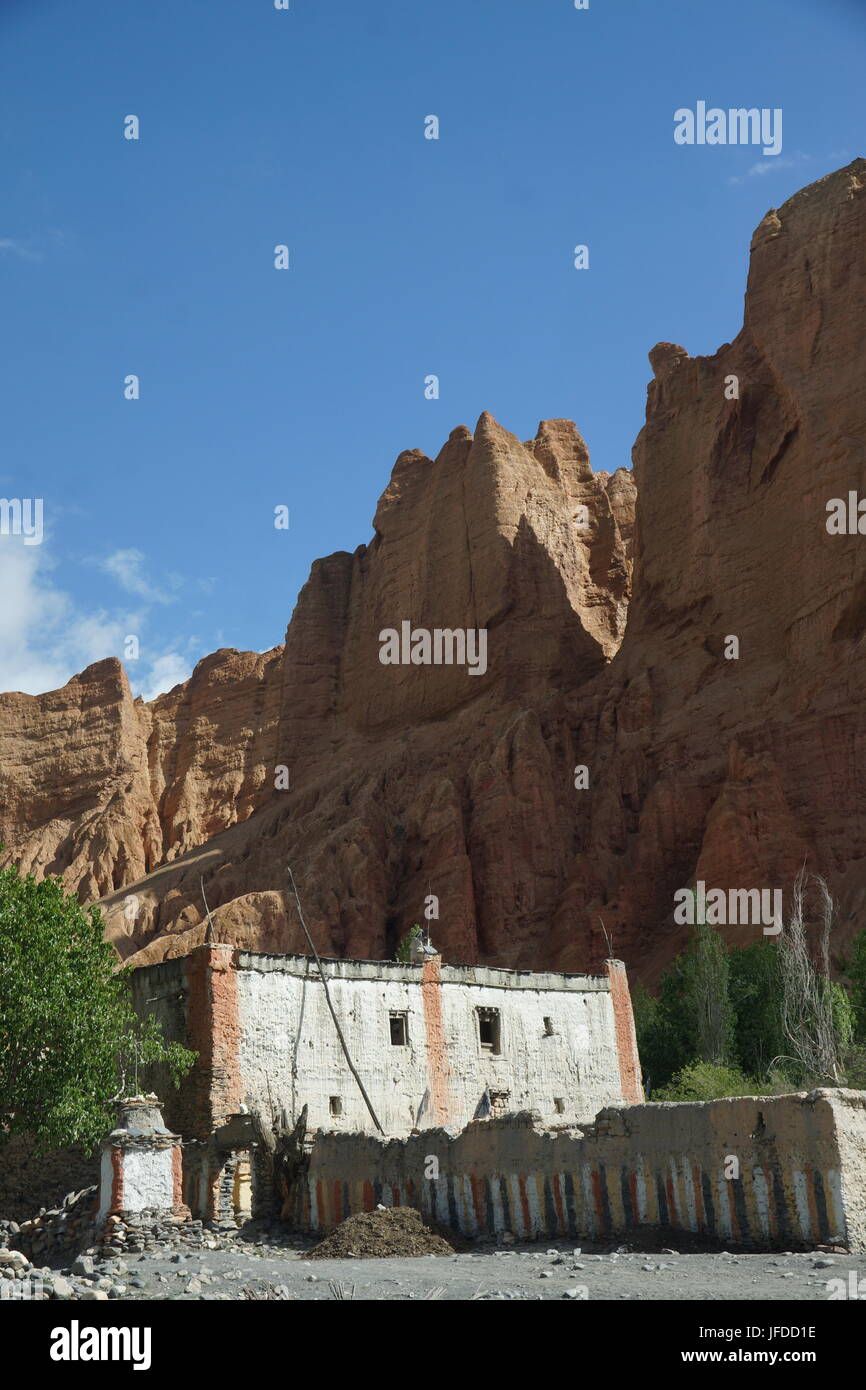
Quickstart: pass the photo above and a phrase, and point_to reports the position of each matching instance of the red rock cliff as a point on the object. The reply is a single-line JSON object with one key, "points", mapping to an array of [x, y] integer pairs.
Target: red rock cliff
{"points": [[407, 780]]}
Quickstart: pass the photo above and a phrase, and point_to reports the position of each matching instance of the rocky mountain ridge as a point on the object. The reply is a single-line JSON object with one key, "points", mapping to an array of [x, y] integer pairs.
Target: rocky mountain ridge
{"points": [[408, 780]]}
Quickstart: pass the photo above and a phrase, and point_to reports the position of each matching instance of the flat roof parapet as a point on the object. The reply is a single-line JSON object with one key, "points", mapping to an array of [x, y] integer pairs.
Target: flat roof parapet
{"points": [[171, 973], [491, 977]]}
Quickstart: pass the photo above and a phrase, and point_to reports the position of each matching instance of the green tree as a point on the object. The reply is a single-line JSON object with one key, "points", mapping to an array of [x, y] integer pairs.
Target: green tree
{"points": [[706, 974], [762, 1019], [69, 1037], [692, 1020], [756, 998], [855, 969]]}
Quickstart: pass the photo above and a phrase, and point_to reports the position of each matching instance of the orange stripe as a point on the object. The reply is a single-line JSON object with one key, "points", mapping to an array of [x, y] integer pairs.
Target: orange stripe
{"points": [[524, 1202], [632, 1187], [672, 1201], [116, 1202], [478, 1203], [599, 1209], [437, 1048]]}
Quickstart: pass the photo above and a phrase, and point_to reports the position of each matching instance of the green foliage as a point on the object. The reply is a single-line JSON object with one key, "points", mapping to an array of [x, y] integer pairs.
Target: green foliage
{"points": [[692, 1019], [755, 982], [755, 1058], [844, 1016], [665, 1033], [856, 971], [706, 993], [707, 1081], [68, 1032], [143, 1048], [645, 1009], [404, 950], [855, 1067]]}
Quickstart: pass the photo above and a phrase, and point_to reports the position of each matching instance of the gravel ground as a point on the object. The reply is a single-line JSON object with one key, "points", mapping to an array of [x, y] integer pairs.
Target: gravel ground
{"points": [[527, 1272]]}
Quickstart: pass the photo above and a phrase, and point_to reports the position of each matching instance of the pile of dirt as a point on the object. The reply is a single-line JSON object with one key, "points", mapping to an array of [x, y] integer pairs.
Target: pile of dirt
{"points": [[392, 1232]]}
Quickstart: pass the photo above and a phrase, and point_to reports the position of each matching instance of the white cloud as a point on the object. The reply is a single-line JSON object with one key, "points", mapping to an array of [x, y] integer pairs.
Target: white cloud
{"points": [[165, 672], [46, 638], [22, 249], [127, 568], [769, 166]]}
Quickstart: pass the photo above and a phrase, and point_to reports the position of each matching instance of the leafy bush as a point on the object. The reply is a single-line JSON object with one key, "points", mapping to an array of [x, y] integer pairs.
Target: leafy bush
{"points": [[707, 1081], [404, 950]]}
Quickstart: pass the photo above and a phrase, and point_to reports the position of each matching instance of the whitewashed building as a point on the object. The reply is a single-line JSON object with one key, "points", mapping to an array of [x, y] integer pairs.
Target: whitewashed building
{"points": [[433, 1045]]}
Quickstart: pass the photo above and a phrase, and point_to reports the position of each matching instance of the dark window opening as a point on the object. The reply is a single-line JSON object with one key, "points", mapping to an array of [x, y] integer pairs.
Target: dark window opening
{"points": [[559, 1105], [548, 1027], [489, 1033], [399, 1025], [335, 1105]]}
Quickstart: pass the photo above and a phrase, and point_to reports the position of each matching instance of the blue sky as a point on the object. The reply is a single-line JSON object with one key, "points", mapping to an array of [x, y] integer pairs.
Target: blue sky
{"points": [[408, 257]]}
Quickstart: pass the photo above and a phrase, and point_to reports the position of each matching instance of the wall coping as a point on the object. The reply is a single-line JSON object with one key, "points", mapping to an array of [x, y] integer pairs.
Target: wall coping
{"points": [[304, 967], [490, 977]]}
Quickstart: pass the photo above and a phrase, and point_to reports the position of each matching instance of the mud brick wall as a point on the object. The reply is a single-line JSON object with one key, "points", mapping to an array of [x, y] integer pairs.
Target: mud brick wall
{"points": [[755, 1173], [265, 1039]]}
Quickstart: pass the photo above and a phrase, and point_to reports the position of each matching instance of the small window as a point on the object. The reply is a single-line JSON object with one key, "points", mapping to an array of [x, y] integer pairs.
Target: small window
{"points": [[399, 1024], [559, 1105], [548, 1027], [335, 1105], [489, 1032]]}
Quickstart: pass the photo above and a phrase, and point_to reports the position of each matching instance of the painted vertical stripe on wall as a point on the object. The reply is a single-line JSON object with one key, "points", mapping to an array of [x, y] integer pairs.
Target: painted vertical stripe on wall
{"points": [[836, 1210], [801, 1202]]}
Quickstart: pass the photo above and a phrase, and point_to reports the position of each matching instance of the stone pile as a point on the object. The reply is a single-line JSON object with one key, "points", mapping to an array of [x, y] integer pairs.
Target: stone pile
{"points": [[40, 1259], [21, 1280], [140, 1232], [56, 1235]]}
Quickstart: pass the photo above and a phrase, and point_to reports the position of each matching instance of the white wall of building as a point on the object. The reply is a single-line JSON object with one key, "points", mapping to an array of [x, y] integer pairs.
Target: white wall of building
{"points": [[148, 1180], [290, 1054]]}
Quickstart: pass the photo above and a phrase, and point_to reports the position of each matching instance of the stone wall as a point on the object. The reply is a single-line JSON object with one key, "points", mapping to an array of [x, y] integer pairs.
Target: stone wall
{"points": [[756, 1172], [31, 1178]]}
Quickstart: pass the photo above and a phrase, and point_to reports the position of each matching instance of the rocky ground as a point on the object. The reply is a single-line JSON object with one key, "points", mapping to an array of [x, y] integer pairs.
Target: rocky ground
{"points": [[230, 1266]]}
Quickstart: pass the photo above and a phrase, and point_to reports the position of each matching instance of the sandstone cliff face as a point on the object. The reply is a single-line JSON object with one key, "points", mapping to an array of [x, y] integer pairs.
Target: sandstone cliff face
{"points": [[100, 788], [409, 780], [738, 771], [403, 779]]}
